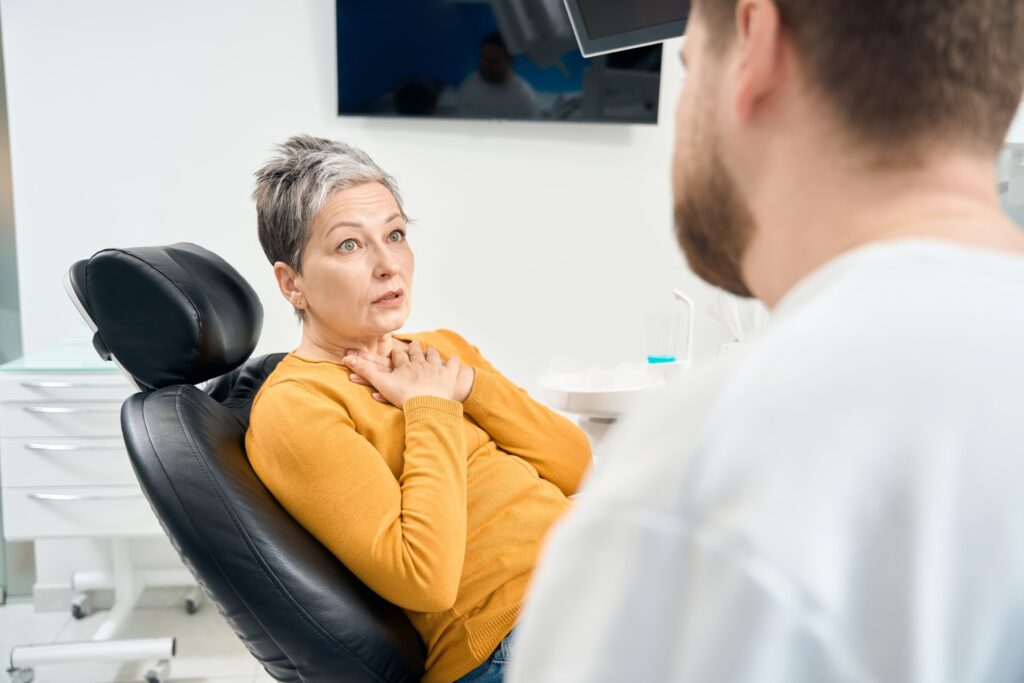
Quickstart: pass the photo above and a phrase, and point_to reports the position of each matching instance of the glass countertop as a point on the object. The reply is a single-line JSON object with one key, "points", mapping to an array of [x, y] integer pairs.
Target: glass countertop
{"points": [[72, 357]]}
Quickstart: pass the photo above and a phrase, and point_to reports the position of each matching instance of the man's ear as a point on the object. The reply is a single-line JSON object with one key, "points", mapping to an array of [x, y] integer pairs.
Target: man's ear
{"points": [[758, 68], [289, 284]]}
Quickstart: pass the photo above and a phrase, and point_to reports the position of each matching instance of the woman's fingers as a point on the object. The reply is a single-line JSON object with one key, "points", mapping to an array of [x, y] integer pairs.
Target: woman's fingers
{"points": [[399, 358], [364, 370], [383, 361], [433, 356], [415, 352]]}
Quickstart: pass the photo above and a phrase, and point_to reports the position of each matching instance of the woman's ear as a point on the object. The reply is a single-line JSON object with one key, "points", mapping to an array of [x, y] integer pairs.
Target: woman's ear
{"points": [[289, 282]]}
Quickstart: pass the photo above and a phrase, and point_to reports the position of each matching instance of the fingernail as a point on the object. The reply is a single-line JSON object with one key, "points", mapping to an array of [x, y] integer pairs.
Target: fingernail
{"points": [[355, 377]]}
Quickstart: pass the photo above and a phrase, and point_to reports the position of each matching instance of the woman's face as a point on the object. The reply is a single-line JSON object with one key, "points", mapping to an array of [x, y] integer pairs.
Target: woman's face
{"points": [[357, 253]]}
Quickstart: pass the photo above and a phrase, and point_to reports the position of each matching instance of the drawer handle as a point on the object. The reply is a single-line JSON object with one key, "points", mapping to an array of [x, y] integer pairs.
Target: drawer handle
{"points": [[66, 447], [53, 410], [71, 385], [80, 496]]}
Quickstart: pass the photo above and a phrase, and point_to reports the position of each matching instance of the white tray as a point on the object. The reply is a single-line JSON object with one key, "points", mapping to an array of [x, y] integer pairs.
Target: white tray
{"points": [[605, 393]]}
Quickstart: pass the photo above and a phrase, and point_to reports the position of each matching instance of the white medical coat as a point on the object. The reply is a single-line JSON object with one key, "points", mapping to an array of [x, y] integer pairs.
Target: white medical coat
{"points": [[843, 501]]}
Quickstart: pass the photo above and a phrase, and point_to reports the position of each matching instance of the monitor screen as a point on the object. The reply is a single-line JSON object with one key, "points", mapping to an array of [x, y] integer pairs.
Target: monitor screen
{"points": [[603, 26], [485, 59], [611, 17]]}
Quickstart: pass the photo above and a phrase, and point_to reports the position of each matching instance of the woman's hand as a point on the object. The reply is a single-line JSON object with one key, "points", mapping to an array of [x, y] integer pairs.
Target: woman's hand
{"points": [[464, 384], [383, 362], [412, 373]]}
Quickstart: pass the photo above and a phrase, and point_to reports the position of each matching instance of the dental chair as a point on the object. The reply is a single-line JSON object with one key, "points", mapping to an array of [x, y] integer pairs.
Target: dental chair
{"points": [[177, 317]]}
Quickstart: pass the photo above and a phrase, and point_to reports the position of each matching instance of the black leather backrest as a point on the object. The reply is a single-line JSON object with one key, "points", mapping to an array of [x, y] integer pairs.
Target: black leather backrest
{"points": [[175, 314], [292, 603]]}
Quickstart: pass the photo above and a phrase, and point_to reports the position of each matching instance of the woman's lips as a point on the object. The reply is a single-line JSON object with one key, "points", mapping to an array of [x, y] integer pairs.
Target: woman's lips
{"points": [[392, 302]]}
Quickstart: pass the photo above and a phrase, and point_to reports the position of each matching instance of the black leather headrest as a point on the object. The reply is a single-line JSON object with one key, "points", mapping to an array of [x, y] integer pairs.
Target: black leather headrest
{"points": [[176, 314]]}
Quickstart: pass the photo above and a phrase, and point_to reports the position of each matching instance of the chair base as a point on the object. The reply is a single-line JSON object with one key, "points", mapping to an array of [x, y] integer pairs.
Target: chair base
{"points": [[102, 648]]}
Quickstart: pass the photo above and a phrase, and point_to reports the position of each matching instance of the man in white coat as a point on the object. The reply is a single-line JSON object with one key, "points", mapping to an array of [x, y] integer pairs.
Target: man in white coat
{"points": [[843, 500], [495, 90]]}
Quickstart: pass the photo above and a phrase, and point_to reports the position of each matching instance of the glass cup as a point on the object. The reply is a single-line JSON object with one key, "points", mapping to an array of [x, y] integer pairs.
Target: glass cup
{"points": [[662, 330]]}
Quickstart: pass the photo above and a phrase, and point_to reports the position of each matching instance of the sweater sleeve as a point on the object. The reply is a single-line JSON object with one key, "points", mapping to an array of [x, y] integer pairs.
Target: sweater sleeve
{"points": [[403, 538], [557, 449]]}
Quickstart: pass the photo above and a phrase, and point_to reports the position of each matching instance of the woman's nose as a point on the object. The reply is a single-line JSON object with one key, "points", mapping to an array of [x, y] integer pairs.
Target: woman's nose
{"points": [[387, 266]]}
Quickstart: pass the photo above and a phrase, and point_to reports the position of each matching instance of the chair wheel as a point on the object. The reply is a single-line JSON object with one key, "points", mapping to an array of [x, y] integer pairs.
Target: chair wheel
{"points": [[26, 675], [194, 600], [159, 673], [81, 606]]}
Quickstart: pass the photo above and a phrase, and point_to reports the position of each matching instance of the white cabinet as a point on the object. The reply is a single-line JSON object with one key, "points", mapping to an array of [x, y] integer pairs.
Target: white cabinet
{"points": [[43, 419], [61, 512], [33, 463], [64, 471], [66, 482]]}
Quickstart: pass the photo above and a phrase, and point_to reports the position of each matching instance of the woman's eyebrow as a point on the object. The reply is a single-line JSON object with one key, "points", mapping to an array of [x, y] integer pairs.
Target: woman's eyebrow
{"points": [[357, 224]]}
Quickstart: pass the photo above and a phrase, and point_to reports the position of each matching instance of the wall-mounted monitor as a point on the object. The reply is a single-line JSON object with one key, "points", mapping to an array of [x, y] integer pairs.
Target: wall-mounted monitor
{"points": [[513, 60], [604, 26]]}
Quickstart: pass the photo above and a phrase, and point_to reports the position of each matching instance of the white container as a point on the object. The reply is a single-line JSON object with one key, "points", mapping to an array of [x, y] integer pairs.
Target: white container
{"points": [[607, 392]]}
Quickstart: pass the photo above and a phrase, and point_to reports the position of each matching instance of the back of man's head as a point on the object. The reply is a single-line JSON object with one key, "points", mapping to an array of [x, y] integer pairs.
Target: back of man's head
{"points": [[905, 74]]}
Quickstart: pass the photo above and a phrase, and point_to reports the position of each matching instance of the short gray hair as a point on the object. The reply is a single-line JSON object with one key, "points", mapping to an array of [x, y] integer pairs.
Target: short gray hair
{"points": [[294, 185]]}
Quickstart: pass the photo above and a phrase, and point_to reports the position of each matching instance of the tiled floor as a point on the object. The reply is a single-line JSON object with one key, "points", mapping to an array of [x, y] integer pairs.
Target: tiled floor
{"points": [[207, 650]]}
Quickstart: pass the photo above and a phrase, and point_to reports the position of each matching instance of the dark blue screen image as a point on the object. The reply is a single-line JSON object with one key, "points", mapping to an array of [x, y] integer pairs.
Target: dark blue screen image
{"points": [[497, 59]]}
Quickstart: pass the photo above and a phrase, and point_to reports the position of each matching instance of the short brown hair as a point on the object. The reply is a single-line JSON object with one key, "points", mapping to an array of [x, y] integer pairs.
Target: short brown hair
{"points": [[903, 74]]}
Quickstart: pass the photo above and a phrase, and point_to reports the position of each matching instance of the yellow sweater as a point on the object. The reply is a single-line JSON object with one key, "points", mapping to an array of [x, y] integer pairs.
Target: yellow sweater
{"points": [[440, 508]]}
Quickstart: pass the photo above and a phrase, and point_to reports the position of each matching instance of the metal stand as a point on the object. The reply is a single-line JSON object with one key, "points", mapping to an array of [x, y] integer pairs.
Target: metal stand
{"points": [[127, 588], [86, 584]]}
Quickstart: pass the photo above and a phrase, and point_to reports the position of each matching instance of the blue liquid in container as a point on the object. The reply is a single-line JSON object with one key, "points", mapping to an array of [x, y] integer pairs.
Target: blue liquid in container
{"points": [[654, 360]]}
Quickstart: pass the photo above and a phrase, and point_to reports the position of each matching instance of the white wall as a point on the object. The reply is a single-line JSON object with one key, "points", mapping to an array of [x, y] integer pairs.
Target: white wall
{"points": [[1016, 136], [139, 122], [10, 329]]}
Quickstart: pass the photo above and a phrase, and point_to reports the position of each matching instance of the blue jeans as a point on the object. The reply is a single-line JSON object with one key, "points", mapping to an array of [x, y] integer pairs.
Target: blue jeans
{"points": [[493, 668]]}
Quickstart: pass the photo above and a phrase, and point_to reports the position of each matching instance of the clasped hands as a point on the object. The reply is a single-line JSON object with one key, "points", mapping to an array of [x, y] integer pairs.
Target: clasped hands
{"points": [[410, 371]]}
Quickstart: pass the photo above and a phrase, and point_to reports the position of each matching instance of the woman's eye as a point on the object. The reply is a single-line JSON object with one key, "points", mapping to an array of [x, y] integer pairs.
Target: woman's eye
{"points": [[347, 245], [400, 235]]}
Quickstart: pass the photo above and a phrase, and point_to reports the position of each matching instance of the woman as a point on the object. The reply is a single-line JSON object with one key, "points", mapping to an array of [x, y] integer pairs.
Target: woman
{"points": [[426, 472]]}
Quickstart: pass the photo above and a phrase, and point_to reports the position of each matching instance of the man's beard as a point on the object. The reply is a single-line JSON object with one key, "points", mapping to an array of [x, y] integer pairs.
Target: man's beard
{"points": [[713, 224]]}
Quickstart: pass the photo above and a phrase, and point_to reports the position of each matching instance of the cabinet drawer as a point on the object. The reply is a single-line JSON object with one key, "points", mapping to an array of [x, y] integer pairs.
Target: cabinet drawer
{"points": [[60, 418], [64, 462], [55, 512], [60, 387]]}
